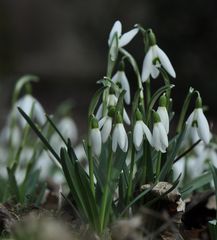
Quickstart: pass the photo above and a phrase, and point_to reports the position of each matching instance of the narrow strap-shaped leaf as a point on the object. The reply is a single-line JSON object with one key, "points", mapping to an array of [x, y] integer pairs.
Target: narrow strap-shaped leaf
{"points": [[95, 100], [55, 128], [14, 189], [39, 134], [196, 184], [214, 174], [119, 106], [157, 94], [77, 179], [136, 199], [170, 159], [68, 172]]}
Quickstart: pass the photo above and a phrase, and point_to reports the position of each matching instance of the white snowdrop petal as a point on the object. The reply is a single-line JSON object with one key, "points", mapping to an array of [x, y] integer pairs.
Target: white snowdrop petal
{"points": [[147, 65], [137, 135], [165, 62], [162, 111], [125, 85], [68, 128], [159, 140], [154, 71], [95, 139], [116, 77], [106, 130], [39, 113], [112, 100], [28, 103], [121, 135], [126, 143], [190, 119], [163, 137], [147, 133], [127, 37], [193, 134], [156, 138], [203, 126], [117, 28], [115, 139], [99, 112], [102, 122], [125, 117]]}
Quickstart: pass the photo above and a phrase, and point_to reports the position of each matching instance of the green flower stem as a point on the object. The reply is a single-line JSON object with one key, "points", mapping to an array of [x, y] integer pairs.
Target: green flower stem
{"points": [[129, 192], [91, 170], [167, 83], [105, 194], [148, 91], [158, 165], [147, 165]]}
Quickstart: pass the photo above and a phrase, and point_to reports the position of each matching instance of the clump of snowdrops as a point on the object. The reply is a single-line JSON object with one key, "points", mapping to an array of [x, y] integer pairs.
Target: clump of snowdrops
{"points": [[129, 141], [25, 164]]}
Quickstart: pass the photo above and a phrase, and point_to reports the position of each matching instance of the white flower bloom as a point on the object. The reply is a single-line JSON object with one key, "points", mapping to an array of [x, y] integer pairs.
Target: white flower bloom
{"points": [[68, 129], [154, 59], [197, 126], [112, 102], [27, 103], [120, 138], [164, 117], [159, 137], [95, 141], [120, 77], [106, 125], [14, 133], [140, 130], [124, 39]]}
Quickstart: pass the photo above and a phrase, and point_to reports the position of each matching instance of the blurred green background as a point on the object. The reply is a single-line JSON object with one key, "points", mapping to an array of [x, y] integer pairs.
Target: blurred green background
{"points": [[64, 42]]}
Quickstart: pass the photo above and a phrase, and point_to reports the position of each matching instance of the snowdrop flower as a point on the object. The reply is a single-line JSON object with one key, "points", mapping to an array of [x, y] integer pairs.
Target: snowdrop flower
{"points": [[112, 102], [105, 124], [119, 136], [121, 78], [140, 131], [28, 104], [197, 124], [162, 112], [95, 137], [124, 39], [68, 129], [6, 134], [154, 59], [159, 136]]}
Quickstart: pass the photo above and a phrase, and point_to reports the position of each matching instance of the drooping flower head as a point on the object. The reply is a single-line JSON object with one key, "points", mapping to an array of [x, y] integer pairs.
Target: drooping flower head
{"points": [[159, 136], [119, 136], [197, 124], [30, 105], [120, 78], [162, 112], [105, 124], [95, 137], [111, 101], [140, 132], [123, 39], [155, 58]]}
